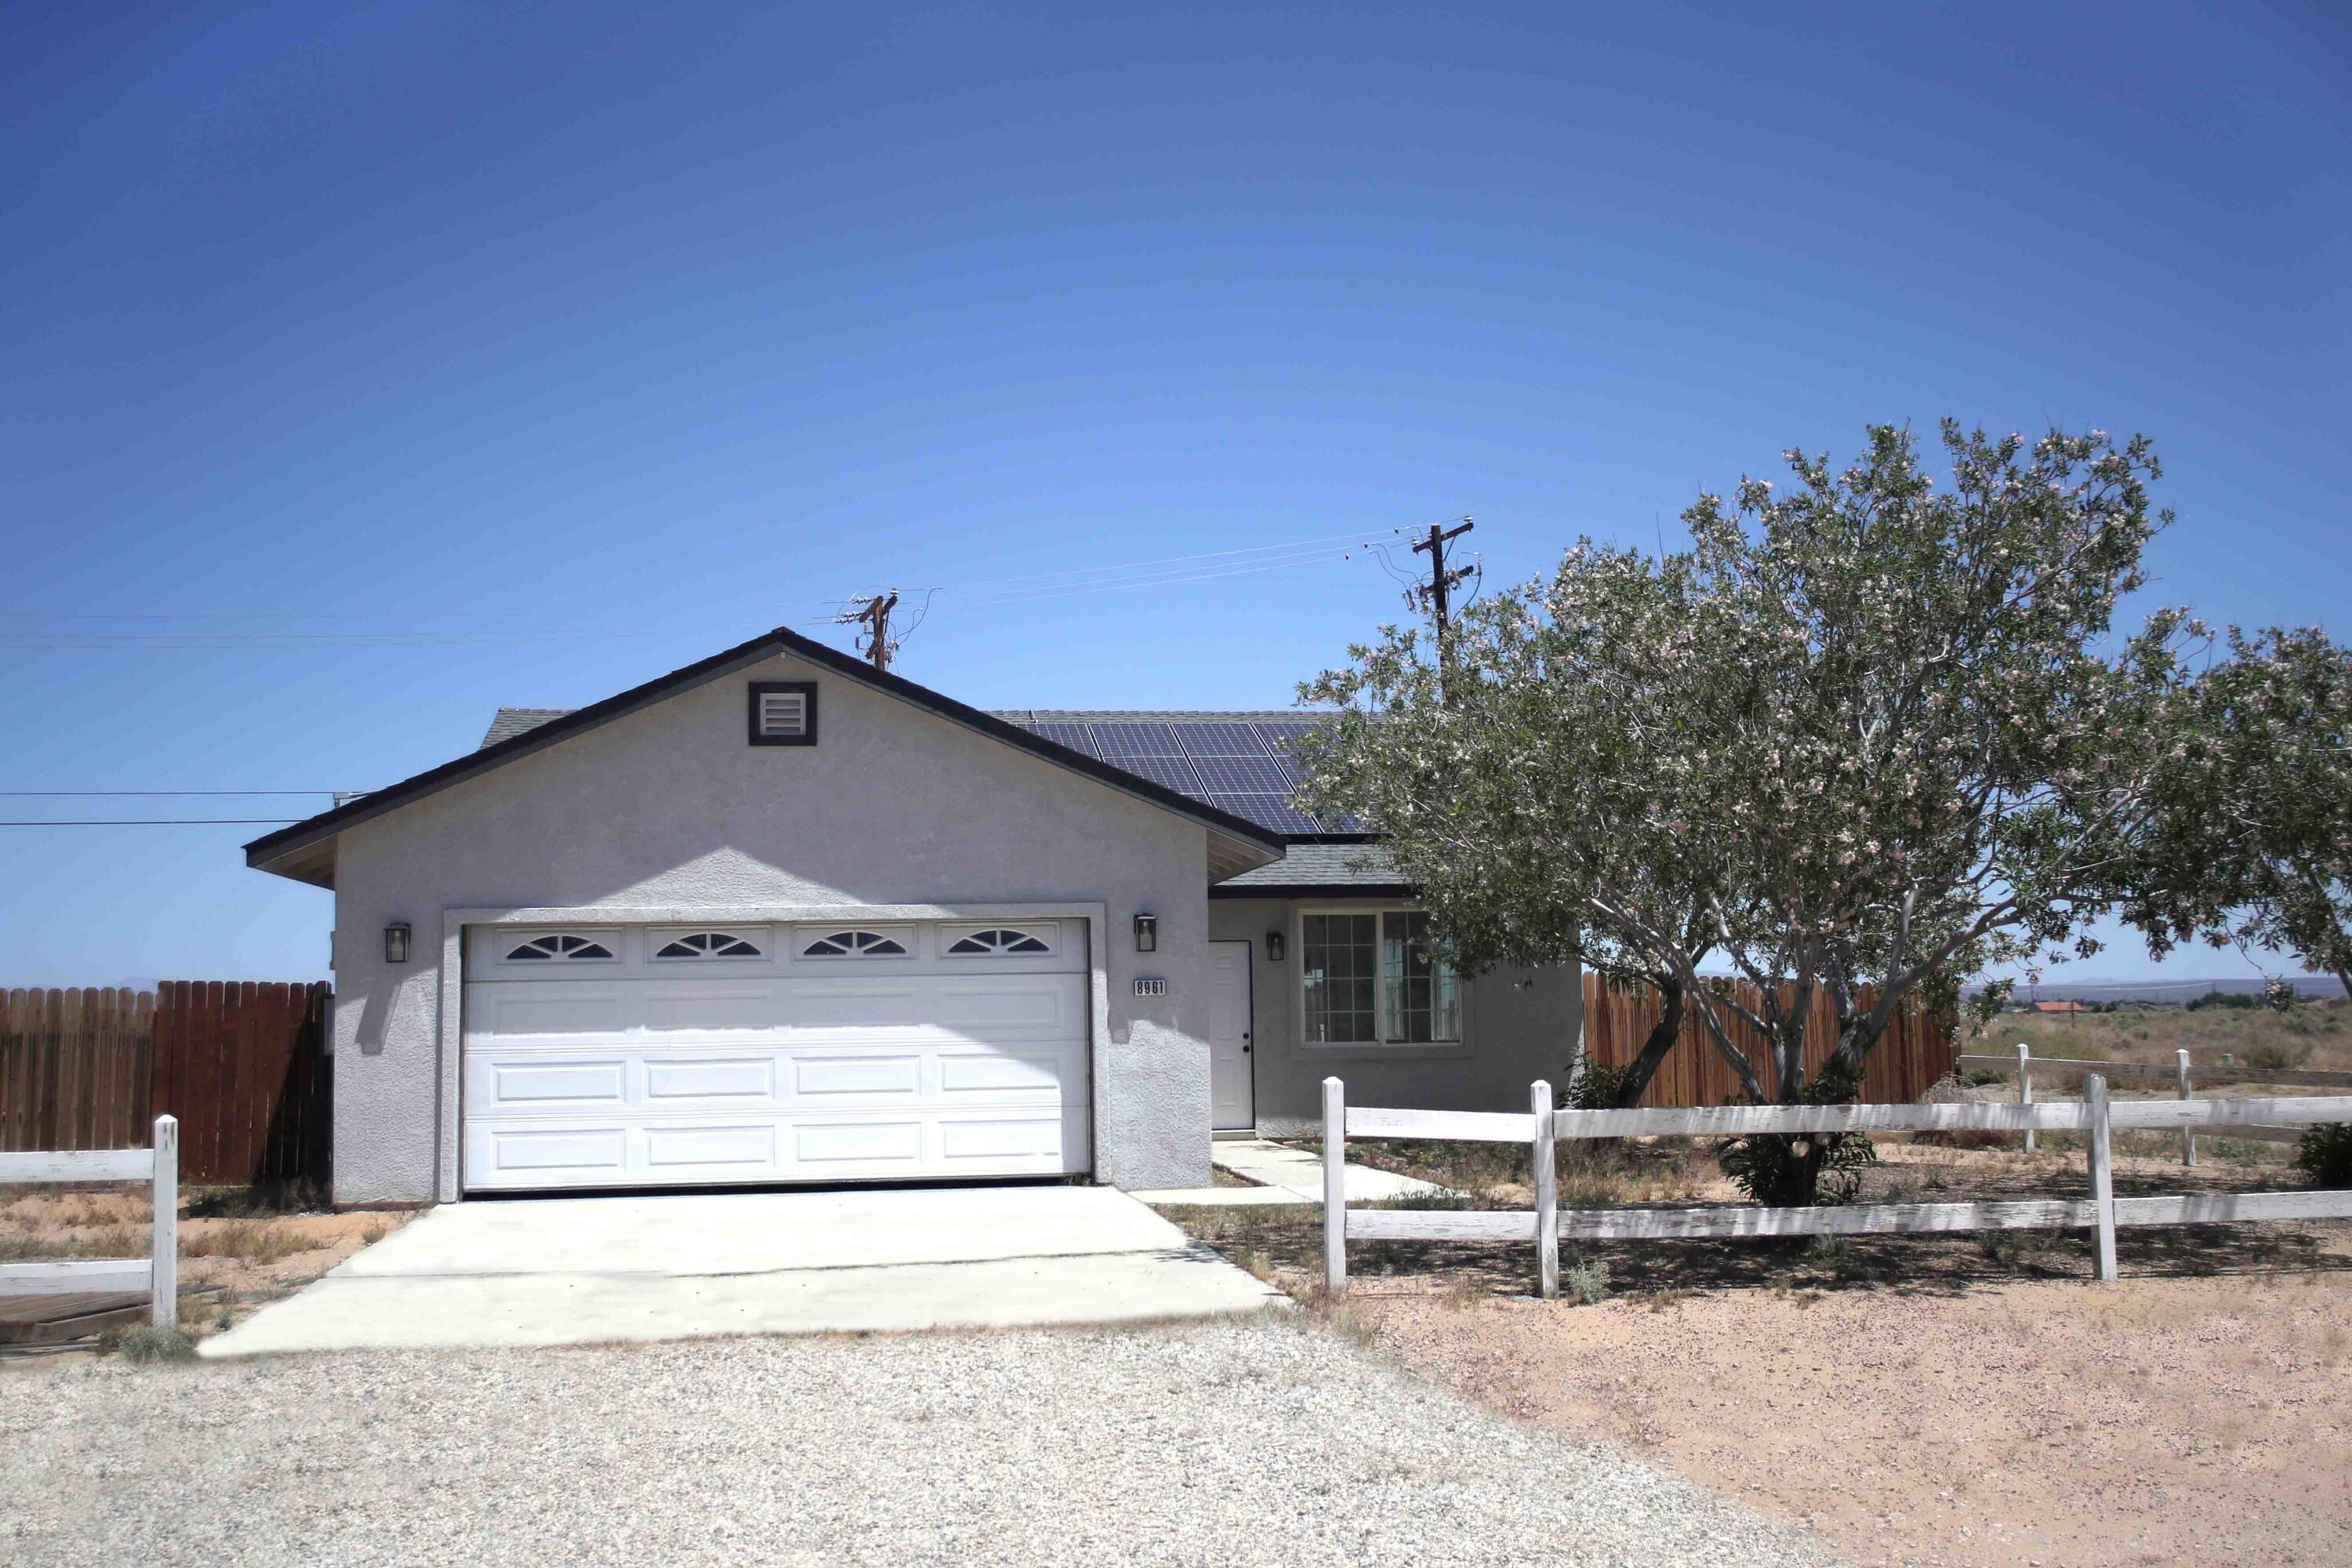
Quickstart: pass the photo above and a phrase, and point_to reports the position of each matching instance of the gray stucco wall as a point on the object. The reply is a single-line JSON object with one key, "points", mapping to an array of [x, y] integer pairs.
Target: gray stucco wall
{"points": [[1517, 1025], [669, 807]]}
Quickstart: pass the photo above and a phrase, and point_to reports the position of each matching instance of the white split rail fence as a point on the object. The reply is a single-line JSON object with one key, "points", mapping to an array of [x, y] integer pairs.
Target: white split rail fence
{"points": [[2180, 1074], [1547, 1223], [158, 1273]]}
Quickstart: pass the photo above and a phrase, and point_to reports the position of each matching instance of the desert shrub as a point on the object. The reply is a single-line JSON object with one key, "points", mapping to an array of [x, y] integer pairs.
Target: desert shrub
{"points": [[1587, 1281], [255, 1241], [1981, 1077], [2273, 1055], [145, 1343], [2325, 1155]]}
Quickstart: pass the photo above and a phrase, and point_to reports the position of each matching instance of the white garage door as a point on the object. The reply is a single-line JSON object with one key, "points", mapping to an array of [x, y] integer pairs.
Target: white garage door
{"points": [[635, 1055]]}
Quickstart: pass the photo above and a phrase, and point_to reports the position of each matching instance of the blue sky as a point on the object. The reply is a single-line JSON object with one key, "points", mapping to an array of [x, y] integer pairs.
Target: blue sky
{"points": [[369, 367]]}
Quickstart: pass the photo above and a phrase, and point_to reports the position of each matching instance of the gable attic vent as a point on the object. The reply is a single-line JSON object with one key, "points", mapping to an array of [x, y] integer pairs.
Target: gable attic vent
{"points": [[783, 713]]}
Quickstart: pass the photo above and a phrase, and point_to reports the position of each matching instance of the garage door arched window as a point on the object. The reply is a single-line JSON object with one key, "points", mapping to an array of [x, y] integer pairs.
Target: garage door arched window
{"points": [[559, 947], [855, 944], [996, 941], [708, 944]]}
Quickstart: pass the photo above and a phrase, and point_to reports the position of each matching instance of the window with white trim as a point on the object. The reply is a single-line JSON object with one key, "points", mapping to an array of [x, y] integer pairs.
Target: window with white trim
{"points": [[1371, 977], [998, 940], [559, 947], [853, 945], [709, 944]]}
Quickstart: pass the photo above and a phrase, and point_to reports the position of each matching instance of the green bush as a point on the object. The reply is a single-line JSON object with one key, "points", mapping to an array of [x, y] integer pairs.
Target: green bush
{"points": [[1587, 1282], [2325, 1155], [1598, 1088], [1798, 1170]]}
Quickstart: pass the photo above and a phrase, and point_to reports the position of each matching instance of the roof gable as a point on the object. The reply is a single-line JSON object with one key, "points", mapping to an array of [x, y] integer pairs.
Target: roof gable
{"points": [[1237, 761], [304, 850]]}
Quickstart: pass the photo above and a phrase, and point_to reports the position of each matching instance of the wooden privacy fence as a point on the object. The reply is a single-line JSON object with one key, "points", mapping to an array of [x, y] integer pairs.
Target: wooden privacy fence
{"points": [[1916, 1051], [241, 1064], [1547, 1223]]}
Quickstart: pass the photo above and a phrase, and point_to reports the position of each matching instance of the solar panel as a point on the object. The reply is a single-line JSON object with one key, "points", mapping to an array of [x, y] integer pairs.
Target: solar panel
{"points": [[1175, 772], [1219, 740], [1138, 740], [1077, 737], [1267, 811], [1244, 775], [1283, 729]]}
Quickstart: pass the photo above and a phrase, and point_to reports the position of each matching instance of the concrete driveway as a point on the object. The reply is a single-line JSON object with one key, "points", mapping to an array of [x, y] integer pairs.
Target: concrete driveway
{"points": [[589, 1270]]}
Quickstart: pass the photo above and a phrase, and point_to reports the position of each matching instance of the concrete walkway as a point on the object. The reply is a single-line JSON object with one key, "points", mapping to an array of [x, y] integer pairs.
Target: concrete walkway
{"points": [[1286, 1175], [590, 1270]]}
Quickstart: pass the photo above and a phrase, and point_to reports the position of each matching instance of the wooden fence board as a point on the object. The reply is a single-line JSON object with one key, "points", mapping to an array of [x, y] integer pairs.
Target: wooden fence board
{"points": [[242, 1065], [1917, 1050]]}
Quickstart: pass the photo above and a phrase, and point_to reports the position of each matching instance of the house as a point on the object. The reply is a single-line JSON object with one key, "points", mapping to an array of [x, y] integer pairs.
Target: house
{"points": [[780, 916], [2064, 1008]]}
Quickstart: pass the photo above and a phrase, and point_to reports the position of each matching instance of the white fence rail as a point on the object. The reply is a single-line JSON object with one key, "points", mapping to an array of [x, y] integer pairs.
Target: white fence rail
{"points": [[1547, 1223], [2180, 1074], [159, 1272]]}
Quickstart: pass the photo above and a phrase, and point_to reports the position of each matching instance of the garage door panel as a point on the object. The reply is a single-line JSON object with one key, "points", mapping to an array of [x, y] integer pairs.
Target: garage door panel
{"points": [[1042, 1003], [997, 1075], [742, 1078], [709, 1148], [557, 1083], [819, 1147], [1028, 1137], [668, 1010], [820, 1077], [550, 1154], [526, 1009], [584, 1077]]}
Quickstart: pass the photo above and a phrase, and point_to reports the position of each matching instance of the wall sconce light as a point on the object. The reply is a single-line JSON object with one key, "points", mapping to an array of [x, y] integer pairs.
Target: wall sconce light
{"points": [[1274, 947], [395, 943], [1146, 933]]}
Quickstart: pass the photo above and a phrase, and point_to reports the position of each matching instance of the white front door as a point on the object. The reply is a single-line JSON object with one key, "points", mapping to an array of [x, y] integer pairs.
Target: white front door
{"points": [[1232, 1094], [640, 1056]]}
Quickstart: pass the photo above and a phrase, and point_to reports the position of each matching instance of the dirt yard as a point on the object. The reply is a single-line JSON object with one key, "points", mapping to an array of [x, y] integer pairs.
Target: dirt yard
{"points": [[244, 1248], [1922, 1399]]}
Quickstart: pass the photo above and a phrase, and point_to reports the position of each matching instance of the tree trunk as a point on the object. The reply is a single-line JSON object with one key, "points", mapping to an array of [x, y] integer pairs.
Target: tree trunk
{"points": [[1668, 1029]]}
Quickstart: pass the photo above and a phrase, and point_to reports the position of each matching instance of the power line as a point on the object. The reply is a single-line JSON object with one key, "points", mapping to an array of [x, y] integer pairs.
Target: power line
{"points": [[170, 793], [160, 822], [1329, 538], [1164, 580]]}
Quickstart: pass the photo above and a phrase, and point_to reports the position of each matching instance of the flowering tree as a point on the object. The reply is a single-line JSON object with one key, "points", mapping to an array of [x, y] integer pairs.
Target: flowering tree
{"points": [[1858, 741], [1523, 794], [2253, 844]]}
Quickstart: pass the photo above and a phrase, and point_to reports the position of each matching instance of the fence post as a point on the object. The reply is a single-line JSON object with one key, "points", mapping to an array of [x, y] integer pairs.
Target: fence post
{"points": [[1335, 1186], [163, 1282], [1547, 1192], [2025, 1086], [2187, 1138], [2103, 1180]]}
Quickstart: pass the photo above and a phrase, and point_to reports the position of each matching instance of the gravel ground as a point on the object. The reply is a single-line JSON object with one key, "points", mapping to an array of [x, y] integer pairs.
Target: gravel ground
{"points": [[1258, 1442]]}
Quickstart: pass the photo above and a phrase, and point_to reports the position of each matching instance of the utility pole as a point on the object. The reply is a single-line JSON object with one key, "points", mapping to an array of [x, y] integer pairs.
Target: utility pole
{"points": [[1441, 581], [875, 618]]}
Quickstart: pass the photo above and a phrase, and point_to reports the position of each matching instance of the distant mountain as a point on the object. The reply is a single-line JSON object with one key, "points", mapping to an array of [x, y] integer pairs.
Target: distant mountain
{"points": [[2307, 986]]}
